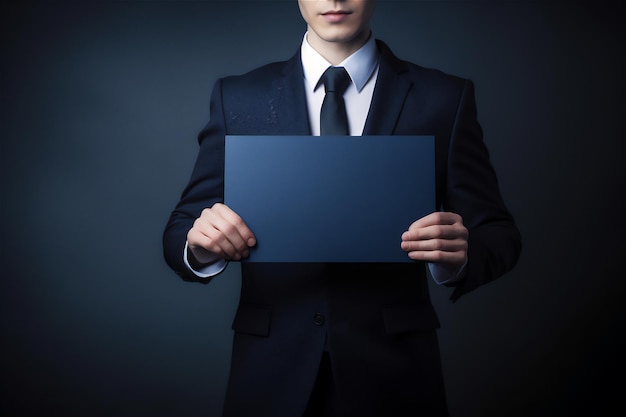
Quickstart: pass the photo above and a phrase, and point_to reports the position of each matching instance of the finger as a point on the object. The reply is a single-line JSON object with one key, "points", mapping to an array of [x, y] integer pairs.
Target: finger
{"points": [[451, 251], [204, 235], [429, 245], [219, 230], [205, 249], [437, 218], [226, 239], [226, 236], [456, 258], [451, 232], [230, 218], [222, 218]]}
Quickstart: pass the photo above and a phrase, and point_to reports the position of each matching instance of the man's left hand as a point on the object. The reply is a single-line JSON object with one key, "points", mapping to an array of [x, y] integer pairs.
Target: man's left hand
{"points": [[439, 237]]}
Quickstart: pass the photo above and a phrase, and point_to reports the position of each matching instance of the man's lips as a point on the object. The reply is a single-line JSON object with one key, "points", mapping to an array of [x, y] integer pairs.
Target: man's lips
{"points": [[335, 15]]}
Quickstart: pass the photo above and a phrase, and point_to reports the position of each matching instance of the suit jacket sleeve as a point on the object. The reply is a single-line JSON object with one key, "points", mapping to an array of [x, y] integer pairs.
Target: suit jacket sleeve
{"points": [[472, 190], [205, 188]]}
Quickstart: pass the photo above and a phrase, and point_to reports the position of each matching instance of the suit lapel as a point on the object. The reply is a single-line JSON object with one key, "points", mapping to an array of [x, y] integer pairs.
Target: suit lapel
{"points": [[290, 99], [389, 94], [290, 105]]}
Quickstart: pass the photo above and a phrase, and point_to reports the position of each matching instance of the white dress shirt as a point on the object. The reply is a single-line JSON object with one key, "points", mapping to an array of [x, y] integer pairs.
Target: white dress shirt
{"points": [[362, 66]]}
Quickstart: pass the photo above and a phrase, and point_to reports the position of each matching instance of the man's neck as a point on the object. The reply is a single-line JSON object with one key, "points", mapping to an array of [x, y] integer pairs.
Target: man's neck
{"points": [[336, 52]]}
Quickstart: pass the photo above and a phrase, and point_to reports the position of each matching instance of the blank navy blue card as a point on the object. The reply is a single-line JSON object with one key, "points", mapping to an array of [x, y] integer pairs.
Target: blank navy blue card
{"points": [[329, 199]]}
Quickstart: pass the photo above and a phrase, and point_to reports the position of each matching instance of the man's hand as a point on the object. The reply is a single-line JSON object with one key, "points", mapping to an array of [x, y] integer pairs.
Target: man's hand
{"points": [[219, 233], [439, 237]]}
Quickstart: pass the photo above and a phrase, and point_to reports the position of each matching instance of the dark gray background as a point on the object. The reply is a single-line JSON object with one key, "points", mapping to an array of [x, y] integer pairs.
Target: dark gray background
{"points": [[101, 103]]}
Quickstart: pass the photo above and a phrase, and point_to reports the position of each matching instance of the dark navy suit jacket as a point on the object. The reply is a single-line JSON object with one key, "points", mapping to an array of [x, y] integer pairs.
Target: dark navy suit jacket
{"points": [[376, 320]]}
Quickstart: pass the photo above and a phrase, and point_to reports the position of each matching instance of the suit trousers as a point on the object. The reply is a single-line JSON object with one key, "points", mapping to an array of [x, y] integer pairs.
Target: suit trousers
{"points": [[324, 401]]}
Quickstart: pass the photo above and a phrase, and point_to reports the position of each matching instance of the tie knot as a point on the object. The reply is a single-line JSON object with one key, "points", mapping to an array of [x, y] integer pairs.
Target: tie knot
{"points": [[336, 79]]}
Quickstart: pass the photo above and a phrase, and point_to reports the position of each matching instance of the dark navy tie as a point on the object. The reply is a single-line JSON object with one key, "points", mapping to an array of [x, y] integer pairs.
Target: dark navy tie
{"points": [[333, 117]]}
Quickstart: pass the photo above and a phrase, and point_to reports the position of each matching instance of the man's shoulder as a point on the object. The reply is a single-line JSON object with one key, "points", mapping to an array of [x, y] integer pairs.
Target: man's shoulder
{"points": [[436, 78], [258, 76], [417, 71], [269, 69]]}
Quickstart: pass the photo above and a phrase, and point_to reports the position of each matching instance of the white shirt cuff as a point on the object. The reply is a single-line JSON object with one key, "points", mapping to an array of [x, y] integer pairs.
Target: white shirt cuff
{"points": [[442, 275], [208, 271]]}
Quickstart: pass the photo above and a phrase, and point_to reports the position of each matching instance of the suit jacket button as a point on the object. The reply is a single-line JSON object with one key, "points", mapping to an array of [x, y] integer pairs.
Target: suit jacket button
{"points": [[318, 319]]}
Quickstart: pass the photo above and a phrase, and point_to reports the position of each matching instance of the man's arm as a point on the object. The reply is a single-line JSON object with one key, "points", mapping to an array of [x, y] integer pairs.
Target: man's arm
{"points": [[204, 190], [472, 191]]}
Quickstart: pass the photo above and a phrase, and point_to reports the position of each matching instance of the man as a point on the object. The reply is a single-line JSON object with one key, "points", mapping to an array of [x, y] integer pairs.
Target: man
{"points": [[345, 339]]}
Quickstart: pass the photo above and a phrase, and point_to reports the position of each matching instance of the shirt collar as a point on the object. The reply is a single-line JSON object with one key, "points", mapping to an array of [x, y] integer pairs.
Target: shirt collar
{"points": [[360, 65]]}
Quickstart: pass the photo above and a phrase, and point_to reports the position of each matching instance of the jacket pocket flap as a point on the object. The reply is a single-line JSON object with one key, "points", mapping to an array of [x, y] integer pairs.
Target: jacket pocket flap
{"points": [[254, 320], [401, 319]]}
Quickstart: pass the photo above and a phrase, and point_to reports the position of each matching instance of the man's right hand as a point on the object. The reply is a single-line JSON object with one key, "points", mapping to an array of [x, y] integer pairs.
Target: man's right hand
{"points": [[219, 233]]}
